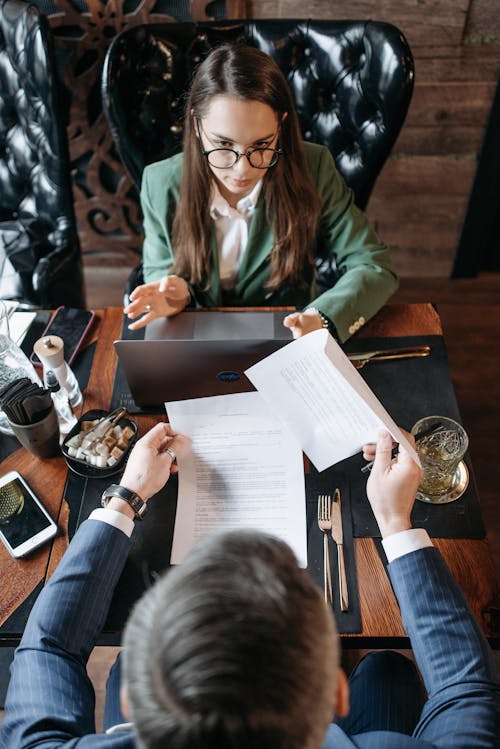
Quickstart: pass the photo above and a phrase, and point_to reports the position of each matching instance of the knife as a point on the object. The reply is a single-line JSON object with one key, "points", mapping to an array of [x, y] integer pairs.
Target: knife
{"points": [[394, 353], [338, 537]]}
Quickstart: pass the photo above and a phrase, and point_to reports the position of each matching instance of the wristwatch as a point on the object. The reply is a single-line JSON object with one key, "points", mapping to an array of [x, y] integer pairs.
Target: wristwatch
{"points": [[137, 504]]}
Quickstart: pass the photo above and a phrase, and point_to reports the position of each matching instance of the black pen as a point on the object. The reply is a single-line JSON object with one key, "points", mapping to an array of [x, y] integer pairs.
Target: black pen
{"points": [[420, 436]]}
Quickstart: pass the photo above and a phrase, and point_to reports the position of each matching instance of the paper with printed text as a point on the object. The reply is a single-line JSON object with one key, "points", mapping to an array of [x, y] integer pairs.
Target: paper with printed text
{"points": [[244, 470], [314, 388]]}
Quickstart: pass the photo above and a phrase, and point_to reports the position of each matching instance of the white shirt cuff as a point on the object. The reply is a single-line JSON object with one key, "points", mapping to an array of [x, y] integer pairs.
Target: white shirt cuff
{"points": [[404, 542], [115, 518]]}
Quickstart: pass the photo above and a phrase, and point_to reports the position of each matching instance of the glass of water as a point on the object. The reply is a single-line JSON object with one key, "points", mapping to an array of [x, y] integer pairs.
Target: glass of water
{"points": [[441, 444], [14, 363]]}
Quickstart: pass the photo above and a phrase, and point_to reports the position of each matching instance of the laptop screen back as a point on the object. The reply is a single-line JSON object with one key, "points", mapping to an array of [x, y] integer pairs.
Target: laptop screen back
{"points": [[210, 325], [197, 354]]}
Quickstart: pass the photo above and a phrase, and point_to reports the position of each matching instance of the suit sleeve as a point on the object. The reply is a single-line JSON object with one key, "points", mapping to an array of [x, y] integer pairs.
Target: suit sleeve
{"points": [[463, 707], [50, 700], [367, 279]]}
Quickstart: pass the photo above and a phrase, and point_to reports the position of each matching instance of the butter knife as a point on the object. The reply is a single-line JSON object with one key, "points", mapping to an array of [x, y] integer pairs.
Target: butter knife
{"points": [[404, 352], [338, 537]]}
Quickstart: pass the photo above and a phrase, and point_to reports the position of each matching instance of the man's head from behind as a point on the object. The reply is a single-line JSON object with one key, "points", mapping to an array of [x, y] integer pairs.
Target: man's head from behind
{"points": [[233, 649]]}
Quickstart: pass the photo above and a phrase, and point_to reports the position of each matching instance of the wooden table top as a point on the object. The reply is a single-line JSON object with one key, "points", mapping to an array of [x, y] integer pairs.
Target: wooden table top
{"points": [[469, 559]]}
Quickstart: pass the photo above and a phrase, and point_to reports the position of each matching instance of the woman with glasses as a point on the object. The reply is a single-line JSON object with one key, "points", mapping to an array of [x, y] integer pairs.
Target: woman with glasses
{"points": [[240, 216]]}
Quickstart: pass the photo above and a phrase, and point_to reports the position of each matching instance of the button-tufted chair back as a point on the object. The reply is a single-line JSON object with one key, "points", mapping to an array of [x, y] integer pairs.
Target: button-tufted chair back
{"points": [[351, 81], [40, 261]]}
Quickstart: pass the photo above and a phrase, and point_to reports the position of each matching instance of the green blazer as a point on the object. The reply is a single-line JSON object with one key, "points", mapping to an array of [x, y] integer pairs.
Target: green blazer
{"points": [[366, 278]]}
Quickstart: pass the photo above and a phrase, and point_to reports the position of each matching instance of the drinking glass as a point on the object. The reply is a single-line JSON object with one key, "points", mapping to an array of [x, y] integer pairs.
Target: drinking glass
{"points": [[441, 444], [13, 363]]}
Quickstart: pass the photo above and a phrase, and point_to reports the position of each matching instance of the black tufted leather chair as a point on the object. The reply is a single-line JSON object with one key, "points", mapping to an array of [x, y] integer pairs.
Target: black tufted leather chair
{"points": [[40, 260], [351, 81]]}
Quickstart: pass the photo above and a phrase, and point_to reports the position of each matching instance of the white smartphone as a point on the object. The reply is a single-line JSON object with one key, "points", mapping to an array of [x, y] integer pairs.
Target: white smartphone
{"points": [[24, 523]]}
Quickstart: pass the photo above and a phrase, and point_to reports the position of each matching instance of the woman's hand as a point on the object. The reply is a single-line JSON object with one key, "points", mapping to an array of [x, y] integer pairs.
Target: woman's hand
{"points": [[301, 323], [149, 465], [163, 298]]}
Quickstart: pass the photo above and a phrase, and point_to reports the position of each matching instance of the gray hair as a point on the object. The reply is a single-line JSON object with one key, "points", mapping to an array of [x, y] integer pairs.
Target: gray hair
{"points": [[233, 649]]}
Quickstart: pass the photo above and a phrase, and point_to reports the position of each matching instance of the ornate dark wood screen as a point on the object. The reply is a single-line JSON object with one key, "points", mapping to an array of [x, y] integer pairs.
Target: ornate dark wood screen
{"points": [[106, 203]]}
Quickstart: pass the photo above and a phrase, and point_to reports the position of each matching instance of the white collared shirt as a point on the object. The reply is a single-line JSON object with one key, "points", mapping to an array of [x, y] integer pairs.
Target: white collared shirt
{"points": [[398, 544], [231, 231]]}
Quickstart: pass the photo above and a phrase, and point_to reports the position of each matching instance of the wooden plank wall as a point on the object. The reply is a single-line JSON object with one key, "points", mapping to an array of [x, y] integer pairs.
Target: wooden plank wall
{"points": [[419, 202]]}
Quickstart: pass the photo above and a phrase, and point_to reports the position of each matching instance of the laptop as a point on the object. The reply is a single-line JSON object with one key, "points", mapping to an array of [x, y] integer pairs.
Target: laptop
{"points": [[199, 353]]}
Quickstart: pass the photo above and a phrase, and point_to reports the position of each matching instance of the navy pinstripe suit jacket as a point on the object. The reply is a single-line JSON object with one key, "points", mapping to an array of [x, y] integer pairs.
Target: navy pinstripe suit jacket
{"points": [[50, 701]]}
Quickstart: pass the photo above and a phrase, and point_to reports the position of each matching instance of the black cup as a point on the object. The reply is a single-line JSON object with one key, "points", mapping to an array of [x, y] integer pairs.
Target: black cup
{"points": [[40, 438]]}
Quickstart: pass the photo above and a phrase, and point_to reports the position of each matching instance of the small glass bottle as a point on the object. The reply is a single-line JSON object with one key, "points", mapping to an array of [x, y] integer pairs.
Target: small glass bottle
{"points": [[65, 415], [50, 350], [13, 363]]}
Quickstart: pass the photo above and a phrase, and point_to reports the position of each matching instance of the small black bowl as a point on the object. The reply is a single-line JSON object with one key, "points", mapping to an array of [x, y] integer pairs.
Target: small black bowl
{"points": [[81, 467]]}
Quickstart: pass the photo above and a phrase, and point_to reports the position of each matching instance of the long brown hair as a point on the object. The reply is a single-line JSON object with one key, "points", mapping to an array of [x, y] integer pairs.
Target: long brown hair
{"points": [[291, 199]]}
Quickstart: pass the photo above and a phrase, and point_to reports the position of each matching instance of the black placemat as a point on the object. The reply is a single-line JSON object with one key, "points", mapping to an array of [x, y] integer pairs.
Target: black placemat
{"points": [[152, 539], [348, 622], [6, 658], [459, 519], [410, 389]]}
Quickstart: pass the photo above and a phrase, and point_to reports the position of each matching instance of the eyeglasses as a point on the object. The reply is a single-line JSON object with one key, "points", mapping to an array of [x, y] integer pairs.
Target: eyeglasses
{"points": [[226, 158]]}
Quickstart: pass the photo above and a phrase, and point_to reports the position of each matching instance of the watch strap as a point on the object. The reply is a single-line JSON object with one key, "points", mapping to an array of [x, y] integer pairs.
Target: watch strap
{"points": [[137, 504]]}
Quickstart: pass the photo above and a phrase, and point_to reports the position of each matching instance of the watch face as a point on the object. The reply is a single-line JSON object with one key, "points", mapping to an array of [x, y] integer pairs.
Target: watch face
{"points": [[135, 502]]}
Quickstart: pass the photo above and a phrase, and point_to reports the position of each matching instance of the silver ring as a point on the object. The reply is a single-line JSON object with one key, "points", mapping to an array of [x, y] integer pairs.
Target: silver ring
{"points": [[171, 453], [148, 308]]}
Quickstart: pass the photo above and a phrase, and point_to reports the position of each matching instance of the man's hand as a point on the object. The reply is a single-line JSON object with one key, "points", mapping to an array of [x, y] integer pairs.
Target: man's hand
{"points": [[392, 485], [149, 466], [163, 298], [301, 323]]}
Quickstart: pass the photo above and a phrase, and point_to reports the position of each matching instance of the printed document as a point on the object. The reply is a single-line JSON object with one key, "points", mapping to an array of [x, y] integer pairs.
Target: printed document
{"points": [[244, 470], [312, 385]]}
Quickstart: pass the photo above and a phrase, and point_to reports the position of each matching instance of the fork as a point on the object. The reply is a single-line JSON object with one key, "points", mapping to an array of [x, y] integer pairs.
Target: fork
{"points": [[325, 525]]}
